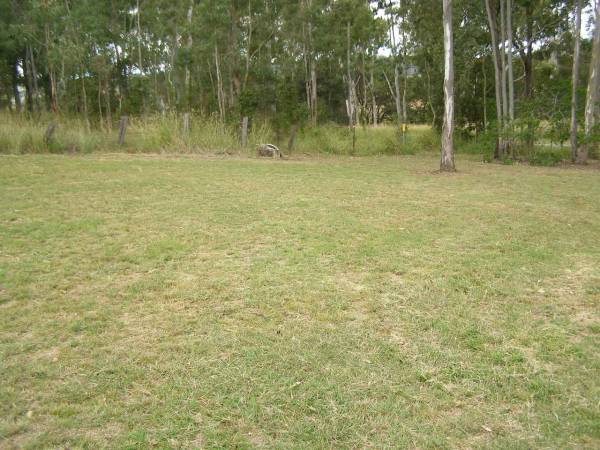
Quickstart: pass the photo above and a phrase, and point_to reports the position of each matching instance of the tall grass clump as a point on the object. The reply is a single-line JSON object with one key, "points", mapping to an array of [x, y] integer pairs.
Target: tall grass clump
{"points": [[206, 134], [381, 140]]}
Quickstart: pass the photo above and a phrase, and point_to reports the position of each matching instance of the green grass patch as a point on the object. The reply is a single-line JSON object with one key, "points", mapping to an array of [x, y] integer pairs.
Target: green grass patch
{"points": [[152, 301]]}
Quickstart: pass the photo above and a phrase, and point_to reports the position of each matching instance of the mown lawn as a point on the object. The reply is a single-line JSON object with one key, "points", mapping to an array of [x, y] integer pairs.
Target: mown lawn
{"points": [[336, 303]]}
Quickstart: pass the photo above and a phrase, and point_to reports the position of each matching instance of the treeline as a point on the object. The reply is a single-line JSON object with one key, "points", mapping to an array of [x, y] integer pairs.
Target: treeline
{"points": [[296, 62]]}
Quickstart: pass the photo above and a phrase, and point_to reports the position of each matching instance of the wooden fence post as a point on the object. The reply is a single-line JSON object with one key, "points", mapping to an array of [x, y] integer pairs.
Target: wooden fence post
{"points": [[245, 131], [122, 129], [49, 133], [186, 122], [292, 137]]}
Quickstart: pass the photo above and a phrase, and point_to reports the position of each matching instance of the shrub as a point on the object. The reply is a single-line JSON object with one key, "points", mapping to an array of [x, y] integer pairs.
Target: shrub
{"points": [[547, 157]]}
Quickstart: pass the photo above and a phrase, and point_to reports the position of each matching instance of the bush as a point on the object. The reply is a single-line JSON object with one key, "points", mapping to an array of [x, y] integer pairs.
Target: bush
{"points": [[547, 157]]}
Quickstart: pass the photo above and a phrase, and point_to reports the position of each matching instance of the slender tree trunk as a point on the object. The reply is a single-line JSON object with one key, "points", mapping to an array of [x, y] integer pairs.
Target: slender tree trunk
{"points": [[504, 75], [398, 98], [34, 78], [373, 99], [310, 71], [28, 81], [351, 92], [593, 92], [350, 106], [484, 94], [429, 97], [220, 93], [313, 89], [575, 78], [50, 70], [190, 43], [15, 86], [99, 99], [499, 151], [248, 47], [365, 93], [234, 69], [84, 100], [108, 105], [307, 78], [173, 74], [511, 77], [447, 154], [527, 58], [139, 36], [404, 85], [139, 51]]}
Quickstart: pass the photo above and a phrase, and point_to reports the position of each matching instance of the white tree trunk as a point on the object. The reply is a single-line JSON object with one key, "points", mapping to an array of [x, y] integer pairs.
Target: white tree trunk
{"points": [[575, 79], [447, 156], [350, 102], [593, 91], [190, 42]]}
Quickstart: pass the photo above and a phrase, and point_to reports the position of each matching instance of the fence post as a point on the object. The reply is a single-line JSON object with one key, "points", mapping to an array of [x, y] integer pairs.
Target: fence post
{"points": [[186, 122], [292, 137], [245, 131], [122, 129], [49, 133]]}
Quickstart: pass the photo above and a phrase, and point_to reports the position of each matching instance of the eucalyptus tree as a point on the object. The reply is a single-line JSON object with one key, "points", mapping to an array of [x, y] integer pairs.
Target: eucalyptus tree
{"points": [[592, 102], [447, 153], [575, 77]]}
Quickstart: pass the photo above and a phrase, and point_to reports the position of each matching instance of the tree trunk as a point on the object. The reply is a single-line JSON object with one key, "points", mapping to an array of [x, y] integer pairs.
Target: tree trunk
{"points": [[108, 106], [398, 98], [593, 92], [84, 100], [190, 42], [373, 100], [248, 46], [447, 154], [15, 86], [99, 98], [28, 81], [140, 62], [511, 78], [504, 75], [365, 94], [491, 15], [575, 79], [139, 36], [527, 58], [350, 103], [313, 91], [234, 69], [484, 94], [50, 70], [220, 93]]}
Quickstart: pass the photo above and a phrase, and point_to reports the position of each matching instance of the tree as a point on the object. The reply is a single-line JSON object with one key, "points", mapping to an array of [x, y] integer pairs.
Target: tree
{"points": [[447, 157], [593, 92], [575, 78]]}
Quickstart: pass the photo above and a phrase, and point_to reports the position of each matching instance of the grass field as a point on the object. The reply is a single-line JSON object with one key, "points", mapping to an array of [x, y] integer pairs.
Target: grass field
{"points": [[154, 302]]}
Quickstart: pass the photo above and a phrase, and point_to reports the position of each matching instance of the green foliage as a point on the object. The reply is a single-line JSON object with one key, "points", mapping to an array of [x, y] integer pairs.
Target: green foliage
{"points": [[542, 156]]}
